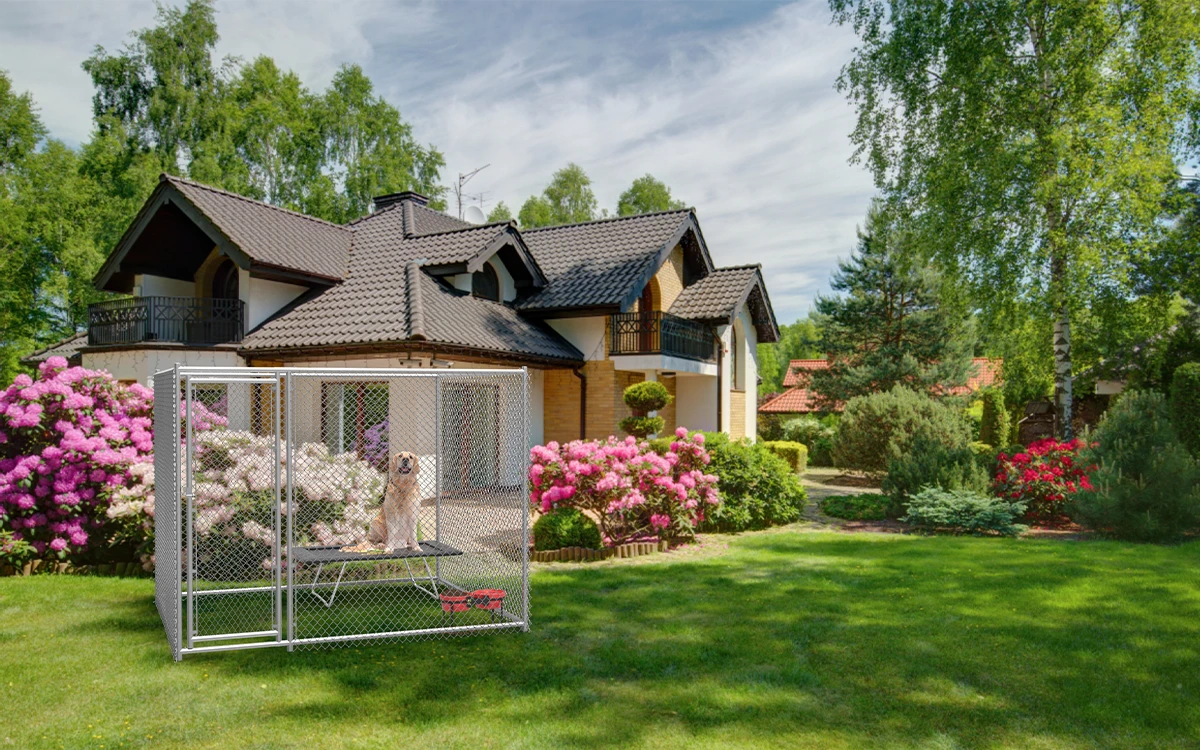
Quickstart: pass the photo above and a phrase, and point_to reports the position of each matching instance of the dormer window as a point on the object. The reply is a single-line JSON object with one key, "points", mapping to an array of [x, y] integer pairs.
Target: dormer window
{"points": [[485, 284]]}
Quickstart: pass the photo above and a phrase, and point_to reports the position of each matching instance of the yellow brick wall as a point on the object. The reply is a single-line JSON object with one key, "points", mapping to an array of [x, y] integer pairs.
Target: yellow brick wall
{"points": [[670, 279], [737, 414], [560, 406]]}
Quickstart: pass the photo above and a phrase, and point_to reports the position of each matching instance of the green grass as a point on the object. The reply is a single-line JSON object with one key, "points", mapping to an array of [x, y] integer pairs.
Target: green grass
{"points": [[864, 507], [783, 638]]}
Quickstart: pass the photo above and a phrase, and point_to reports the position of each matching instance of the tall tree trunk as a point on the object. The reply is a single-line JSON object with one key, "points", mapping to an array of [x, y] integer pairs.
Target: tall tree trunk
{"points": [[1063, 377]]}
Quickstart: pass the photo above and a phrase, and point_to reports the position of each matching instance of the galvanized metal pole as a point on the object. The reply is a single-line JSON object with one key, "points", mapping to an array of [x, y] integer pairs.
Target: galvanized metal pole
{"points": [[524, 500], [291, 513], [191, 549], [277, 535]]}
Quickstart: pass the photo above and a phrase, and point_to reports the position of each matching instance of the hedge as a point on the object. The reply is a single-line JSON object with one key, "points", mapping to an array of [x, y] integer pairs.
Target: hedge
{"points": [[795, 454]]}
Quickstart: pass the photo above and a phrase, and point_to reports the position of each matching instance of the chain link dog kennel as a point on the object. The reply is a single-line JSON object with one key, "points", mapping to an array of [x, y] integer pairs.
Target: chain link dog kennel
{"points": [[307, 507]]}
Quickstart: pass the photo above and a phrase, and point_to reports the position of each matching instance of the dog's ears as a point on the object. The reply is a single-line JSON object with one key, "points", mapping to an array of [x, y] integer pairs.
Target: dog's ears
{"points": [[393, 462]]}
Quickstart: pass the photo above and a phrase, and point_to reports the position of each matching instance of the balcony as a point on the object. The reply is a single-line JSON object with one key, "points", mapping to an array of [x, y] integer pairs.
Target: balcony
{"points": [[180, 320], [661, 333]]}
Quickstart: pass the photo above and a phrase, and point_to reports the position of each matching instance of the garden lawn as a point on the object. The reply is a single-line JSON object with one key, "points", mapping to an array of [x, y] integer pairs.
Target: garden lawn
{"points": [[803, 639]]}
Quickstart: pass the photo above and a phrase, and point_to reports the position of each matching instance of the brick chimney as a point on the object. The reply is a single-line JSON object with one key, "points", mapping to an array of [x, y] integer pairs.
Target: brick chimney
{"points": [[383, 201]]}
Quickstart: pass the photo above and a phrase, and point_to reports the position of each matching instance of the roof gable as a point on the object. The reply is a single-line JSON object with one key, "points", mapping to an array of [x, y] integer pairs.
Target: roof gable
{"points": [[718, 296]]}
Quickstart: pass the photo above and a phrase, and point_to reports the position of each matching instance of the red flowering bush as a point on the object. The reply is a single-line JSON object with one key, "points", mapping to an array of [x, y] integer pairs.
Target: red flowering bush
{"points": [[1044, 477], [631, 490]]}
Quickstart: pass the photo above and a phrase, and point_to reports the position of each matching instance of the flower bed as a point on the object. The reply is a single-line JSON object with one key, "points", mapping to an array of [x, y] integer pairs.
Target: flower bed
{"points": [[1045, 476], [632, 491]]}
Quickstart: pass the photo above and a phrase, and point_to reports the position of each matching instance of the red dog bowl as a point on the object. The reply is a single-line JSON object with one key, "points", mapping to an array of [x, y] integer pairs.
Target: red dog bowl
{"points": [[490, 599], [455, 603]]}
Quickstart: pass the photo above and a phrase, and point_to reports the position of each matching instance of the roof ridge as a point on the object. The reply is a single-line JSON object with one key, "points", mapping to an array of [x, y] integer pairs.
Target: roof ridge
{"points": [[173, 178], [738, 267], [461, 229], [373, 214], [610, 219], [416, 310]]}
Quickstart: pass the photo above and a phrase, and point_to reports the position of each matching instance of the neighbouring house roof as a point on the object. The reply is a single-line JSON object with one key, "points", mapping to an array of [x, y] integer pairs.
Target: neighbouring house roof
{"points": [[603, 263], [717, 296], [798, 399], [68, 347]]}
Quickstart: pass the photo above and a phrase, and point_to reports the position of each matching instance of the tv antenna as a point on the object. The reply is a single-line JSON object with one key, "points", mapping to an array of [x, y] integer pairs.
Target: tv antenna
{"points": [[463, 179]]}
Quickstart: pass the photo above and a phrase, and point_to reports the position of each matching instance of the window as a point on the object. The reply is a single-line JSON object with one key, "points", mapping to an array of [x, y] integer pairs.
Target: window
{"points": [[485, 284], [225, 281], [354, 419], [735, 357]]}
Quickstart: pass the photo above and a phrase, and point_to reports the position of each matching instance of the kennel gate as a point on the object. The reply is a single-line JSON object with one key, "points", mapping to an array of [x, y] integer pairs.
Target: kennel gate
{"points": [[262, 475]]}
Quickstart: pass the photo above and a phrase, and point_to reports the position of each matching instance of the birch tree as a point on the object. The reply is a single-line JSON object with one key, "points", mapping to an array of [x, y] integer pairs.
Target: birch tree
{"points": [[1034, 142]]}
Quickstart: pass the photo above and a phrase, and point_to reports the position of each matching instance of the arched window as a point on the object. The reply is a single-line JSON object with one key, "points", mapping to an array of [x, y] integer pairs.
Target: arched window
{"points": [[225, 281], [735, 357], [485, 284]]}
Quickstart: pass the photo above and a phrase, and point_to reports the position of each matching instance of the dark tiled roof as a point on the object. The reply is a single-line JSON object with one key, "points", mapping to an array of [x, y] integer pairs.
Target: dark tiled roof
{"points": [[270, 235], [68, 347], [383, 233], [596, 263], [716, 295], [386, 300]]}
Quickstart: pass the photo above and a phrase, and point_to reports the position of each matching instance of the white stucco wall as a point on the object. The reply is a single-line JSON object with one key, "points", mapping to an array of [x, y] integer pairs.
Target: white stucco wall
{"points": [[587, 334], [141, 364], [749, 360], [264, 298], [147, 285], [696, 402]]}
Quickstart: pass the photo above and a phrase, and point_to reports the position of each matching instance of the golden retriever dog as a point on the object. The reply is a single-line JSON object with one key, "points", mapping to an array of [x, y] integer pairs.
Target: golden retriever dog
{"points": [[395, 527]]}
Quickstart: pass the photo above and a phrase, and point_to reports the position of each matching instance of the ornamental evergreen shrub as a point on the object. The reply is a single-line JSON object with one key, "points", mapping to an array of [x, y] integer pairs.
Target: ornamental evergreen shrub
{"points": [[994, 427], [565, 527], [795, 454], [1145, 485], [929, 463], [877, 428], [963, 511], [758, 489], [647, 396], [1185, 405], [642, 427]]}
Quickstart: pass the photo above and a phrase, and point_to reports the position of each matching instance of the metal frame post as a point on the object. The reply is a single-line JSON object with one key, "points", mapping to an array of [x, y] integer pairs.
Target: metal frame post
{"points": [[278, 537], [191, 557], [524, 499], [291, 514]]}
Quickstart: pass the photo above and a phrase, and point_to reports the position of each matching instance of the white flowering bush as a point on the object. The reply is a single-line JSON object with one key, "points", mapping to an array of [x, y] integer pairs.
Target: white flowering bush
{"points": [[336, 496]]}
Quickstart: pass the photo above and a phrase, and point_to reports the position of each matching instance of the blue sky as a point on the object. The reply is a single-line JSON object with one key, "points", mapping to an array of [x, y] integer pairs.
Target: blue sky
{"points": [[731, 104]]}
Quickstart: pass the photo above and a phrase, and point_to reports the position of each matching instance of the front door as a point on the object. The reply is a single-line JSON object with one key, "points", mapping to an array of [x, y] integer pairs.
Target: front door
{"points": [[648, 324]]}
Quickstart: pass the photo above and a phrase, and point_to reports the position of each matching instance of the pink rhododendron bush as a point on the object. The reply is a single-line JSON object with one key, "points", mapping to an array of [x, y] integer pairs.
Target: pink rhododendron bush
{"points": [[336, 496], [632, 491], [69, 440]]}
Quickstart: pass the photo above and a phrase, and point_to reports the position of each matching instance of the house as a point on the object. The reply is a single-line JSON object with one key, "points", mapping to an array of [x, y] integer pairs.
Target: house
{"points": [[798, 399], [212, 278]]}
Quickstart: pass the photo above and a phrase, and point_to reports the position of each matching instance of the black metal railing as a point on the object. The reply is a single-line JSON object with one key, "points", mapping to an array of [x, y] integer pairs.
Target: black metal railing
{"points": [[661, 333], [183, 320]]}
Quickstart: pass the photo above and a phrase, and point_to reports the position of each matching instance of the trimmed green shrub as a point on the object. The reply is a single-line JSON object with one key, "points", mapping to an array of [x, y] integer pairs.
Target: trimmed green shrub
{"points": [[565, 527], [642, 427], [994, 428], [929, 463], [1185, 405], [864, 507], [1145, 485], [770, 427], [794, 453], [963, 511], [647, 396], [816, 434], [758, 489], [881, 426]]}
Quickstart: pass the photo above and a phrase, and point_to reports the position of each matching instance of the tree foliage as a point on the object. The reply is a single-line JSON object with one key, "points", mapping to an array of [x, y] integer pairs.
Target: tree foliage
{"points": [[500, 212], [568, 199], [1035, 141], [888, 326], [799, 340], [646, 195]]}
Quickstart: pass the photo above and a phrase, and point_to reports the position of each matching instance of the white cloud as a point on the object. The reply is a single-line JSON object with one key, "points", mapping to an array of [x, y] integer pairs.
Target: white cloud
{"points": [[731, 106]]}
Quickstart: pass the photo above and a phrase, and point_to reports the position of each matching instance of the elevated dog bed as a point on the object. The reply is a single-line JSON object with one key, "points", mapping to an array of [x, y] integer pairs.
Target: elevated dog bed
{"points": [[335, 556]]}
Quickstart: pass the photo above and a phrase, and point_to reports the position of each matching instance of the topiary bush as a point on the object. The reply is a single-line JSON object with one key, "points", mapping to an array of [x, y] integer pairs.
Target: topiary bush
{"points": [[864, 507], [1185, 405], [565, 527], [963, 511], [929, 463], [1145, 486], [795, 454], [758, 489], [876, 428], [993, 427], [647, 396], [642, 427]]}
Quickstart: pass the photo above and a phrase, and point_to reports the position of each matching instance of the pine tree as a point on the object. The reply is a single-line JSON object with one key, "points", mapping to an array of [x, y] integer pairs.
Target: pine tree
{"points": [[889, 325]]}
